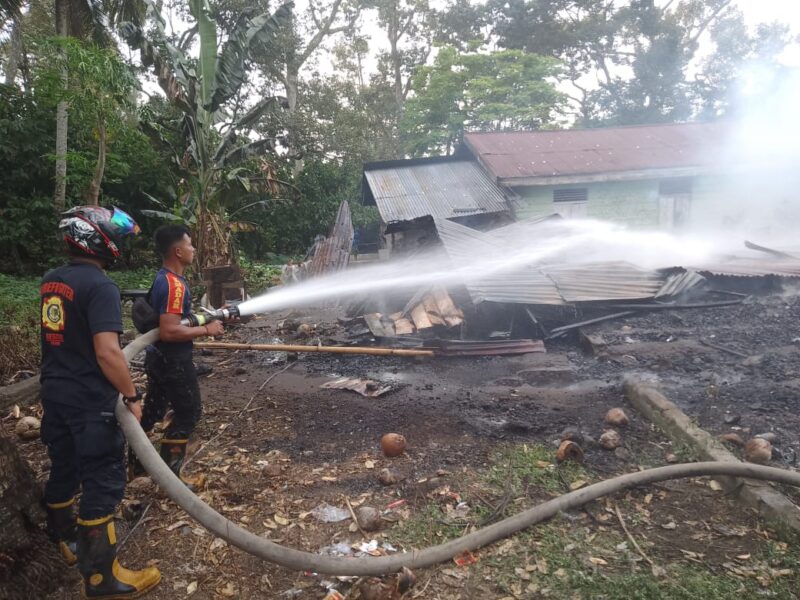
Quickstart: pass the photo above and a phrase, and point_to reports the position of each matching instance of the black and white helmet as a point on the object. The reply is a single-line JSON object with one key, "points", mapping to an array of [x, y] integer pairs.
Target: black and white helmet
{"points": [[95, 231]]}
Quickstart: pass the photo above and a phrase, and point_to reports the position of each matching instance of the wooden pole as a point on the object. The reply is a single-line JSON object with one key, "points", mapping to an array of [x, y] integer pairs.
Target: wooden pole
{"points": [[301, 348]]}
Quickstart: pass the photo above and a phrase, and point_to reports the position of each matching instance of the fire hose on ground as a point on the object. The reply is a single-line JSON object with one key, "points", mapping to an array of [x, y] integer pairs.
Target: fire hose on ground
{"points": [[307, 561]]}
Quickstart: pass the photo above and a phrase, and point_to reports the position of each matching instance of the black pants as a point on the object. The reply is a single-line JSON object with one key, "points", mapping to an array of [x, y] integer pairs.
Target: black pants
{"points": [[87, 451], [171, 382]]}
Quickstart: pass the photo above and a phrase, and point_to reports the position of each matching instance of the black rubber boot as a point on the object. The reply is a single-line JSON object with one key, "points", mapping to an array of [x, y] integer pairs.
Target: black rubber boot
{"points": [[103, 576], [63, 529], [135, 468], [173, 452]]}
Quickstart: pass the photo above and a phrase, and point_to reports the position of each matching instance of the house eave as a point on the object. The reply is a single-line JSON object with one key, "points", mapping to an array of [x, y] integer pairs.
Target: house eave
{"points": [[540, 181]]}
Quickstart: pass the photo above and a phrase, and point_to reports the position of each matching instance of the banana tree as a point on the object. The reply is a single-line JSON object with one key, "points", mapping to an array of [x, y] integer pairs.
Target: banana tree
{"points": [[202, 88]]}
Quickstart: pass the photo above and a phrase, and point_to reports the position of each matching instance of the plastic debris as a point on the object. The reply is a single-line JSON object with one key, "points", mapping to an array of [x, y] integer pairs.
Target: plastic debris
{"points": [[465, 559], [330, 514], [339, 549], [365, 387]]}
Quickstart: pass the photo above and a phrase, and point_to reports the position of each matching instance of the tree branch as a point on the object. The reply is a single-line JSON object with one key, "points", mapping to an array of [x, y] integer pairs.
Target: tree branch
{"points": [[187, 37], [402, 31], [315, 41], [711, 18]]}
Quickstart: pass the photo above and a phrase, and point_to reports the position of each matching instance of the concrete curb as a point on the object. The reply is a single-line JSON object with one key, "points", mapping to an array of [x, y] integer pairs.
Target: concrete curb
{"points": [[770, 503]]}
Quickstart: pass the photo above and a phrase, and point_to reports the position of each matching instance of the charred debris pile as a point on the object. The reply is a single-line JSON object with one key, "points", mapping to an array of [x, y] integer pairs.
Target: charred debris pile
{"points": [[518, 309]]}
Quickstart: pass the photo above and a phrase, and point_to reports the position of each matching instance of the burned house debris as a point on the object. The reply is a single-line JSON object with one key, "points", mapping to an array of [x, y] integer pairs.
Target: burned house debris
{"points": [[326, 255], [543, 292]]}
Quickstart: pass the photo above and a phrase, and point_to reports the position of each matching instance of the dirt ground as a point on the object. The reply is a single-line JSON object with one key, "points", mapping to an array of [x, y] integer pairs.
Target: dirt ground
{"points": [[274, 451]]}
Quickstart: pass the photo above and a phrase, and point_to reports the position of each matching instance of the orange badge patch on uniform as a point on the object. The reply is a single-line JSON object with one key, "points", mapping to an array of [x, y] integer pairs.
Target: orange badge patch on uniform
{"points": [[53, 317], [175, 295]]}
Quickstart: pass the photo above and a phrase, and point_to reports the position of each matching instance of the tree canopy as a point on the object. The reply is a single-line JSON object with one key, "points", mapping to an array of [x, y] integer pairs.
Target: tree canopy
{"points": [[261, 119]]}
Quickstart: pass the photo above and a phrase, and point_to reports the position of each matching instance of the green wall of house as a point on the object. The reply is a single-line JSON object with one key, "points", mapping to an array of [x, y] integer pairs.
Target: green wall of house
{"points": [[634, 203], [716, 201]]}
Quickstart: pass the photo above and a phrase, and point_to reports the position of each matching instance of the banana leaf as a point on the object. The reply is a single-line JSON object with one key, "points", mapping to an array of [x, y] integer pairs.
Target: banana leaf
{"points": [[230, 73]]}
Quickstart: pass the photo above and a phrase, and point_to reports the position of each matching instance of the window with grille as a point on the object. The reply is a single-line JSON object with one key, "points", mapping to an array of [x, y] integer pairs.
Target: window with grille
{"points": [[570, 195]]}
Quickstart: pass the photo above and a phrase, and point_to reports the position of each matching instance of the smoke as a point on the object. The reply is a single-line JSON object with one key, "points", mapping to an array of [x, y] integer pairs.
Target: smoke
{"points": [[758, 169]]}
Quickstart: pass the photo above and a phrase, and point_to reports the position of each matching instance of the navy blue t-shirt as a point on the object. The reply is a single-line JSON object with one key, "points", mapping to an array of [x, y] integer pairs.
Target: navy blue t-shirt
{"points": [[78, 301], [170, 295]]}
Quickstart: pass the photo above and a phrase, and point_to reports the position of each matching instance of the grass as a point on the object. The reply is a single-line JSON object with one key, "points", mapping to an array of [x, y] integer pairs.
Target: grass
{"points": [[516, 469], [570, 560], [19, 325]]}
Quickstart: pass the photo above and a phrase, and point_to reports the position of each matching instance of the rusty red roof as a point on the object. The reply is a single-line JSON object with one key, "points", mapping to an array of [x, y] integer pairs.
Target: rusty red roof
{"points": [[515, 156]]}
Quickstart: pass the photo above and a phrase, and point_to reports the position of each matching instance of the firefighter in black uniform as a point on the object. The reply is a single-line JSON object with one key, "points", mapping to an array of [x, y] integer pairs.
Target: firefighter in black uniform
{"points": [[171, 376], [83, 371]]}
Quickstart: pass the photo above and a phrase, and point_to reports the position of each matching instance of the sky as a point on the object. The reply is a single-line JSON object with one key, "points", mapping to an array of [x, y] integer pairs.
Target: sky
{"points": [[785, 11]]}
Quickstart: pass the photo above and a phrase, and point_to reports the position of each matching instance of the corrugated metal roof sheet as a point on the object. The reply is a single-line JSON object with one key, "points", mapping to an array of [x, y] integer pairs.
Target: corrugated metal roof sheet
{"points": [[522, 285], [592, 151], [333, 253], [752, 267], [541, 284], [437, 189], [593, 282], [677, 283]]}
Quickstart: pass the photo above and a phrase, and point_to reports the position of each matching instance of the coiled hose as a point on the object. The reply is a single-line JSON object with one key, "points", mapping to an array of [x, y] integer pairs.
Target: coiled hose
{"points": [[306, 561]]}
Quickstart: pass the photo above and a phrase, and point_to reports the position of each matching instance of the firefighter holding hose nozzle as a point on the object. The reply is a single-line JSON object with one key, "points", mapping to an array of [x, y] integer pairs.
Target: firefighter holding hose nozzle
{"points": [[171, 376], [83, 372]]}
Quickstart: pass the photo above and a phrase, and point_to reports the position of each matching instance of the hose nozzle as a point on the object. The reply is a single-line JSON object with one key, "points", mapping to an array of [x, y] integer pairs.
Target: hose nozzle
{"points": [[220, 314]]}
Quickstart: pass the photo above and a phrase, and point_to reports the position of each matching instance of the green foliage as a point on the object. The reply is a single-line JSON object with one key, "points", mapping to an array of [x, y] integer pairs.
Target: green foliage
{"points": [[140, 278], [518, 466], [200, 88], [19, 325], [27, 130], [26, 217], [260, 276], [649, 63], [19, 300], [289, 227], [506, 90]]}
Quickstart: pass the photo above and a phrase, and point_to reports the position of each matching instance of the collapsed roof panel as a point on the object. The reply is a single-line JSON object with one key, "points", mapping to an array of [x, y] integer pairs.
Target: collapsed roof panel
{"points": [[677, 283], [553, 284], [604, 281], [752, 267], [333, 253], [515, 285]]}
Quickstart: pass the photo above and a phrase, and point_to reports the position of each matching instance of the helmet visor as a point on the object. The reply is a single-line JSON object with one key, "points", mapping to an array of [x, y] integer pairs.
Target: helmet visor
{"points": [[123, 223]]}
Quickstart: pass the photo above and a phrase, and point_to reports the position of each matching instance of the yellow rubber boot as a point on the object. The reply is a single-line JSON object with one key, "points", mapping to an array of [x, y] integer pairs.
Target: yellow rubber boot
{"points": [[103, 576], [173, 452], [62, 529]]}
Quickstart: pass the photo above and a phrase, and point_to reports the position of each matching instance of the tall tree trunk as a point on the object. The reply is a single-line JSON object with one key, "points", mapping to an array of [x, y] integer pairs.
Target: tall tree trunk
{"points": [[62, 116], [60, 196], [397, 63], [92, 197], [292, 76], [14, 52]]}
